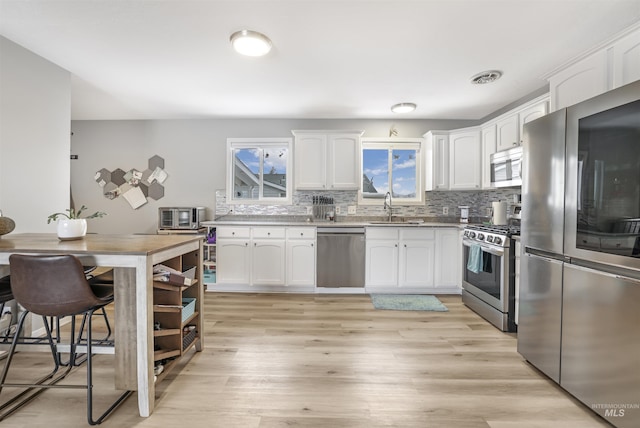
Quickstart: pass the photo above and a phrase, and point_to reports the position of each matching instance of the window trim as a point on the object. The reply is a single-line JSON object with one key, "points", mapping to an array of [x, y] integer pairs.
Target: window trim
{"points": [[259, 143], [395, 143]]}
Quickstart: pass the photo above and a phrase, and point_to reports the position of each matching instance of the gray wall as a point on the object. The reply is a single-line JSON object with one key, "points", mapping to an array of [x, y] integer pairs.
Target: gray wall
{"points": [[35, 118], [194, 153]]}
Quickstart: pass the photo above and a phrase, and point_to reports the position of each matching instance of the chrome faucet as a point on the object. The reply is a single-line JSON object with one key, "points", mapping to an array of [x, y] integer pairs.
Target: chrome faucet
{"points": [[388, 205]]}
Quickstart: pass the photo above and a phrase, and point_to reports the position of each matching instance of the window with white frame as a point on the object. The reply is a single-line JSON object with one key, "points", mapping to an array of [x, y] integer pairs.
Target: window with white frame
{"points": [[392, 165], [258, 170]]}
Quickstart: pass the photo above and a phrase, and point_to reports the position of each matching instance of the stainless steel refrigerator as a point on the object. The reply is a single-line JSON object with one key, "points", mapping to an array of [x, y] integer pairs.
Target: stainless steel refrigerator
{"points": [[579, 313]]}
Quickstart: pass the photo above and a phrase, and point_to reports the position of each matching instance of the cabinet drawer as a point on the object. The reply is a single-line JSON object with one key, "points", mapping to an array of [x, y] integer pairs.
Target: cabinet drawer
{"points": [[382, 233], [268, 232], [233, 232], [301, 233], [415, 233]]}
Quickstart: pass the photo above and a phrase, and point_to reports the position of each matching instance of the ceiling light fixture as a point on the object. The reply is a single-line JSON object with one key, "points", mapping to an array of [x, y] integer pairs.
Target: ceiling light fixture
{"points": [[250, 43], [403, 108], [486, 77]]}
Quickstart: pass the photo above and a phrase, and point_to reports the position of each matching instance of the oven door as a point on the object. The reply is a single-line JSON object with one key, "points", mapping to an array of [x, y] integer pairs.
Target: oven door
{"points": [[488, 284]]}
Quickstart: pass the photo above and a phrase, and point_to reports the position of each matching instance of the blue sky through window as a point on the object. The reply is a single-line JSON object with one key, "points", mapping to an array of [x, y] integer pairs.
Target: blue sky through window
{"points": [[376, 164]]}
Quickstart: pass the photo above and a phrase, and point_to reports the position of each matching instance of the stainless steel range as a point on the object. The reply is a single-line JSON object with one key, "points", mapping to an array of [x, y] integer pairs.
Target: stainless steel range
{"points": [[488, 276]]}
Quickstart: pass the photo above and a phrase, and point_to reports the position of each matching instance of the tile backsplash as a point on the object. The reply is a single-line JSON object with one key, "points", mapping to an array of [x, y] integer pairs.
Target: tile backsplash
{"points": [[478, 201]]}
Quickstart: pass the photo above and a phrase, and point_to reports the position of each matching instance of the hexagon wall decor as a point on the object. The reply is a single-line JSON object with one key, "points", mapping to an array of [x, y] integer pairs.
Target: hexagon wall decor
{"points": [[134, 185]]}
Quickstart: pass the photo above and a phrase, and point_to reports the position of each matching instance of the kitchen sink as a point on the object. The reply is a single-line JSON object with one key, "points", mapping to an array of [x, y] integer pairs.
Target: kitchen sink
{"points": [[398, 220]]}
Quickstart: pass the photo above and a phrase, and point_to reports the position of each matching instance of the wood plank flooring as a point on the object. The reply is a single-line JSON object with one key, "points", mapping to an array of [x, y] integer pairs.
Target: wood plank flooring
{"points": [[280, 360]]}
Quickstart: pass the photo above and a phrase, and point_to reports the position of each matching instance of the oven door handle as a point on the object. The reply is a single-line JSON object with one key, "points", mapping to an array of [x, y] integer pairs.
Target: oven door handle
{"points": [[485, 248]]}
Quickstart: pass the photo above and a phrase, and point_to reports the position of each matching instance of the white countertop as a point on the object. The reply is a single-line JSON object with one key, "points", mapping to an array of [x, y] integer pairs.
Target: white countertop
{"points": [[283, 221]]}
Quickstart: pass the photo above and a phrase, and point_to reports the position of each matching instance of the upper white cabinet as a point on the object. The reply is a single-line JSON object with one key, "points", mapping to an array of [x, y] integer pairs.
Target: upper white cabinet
{"points": [[579, 81], [464, 159], [453, 159], [612, 65], [437, 160], [488, 135], [507, 132], [327, 160]]}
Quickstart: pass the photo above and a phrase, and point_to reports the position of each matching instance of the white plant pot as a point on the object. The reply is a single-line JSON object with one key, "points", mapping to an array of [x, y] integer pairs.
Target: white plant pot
{"points": [[69, 229]]}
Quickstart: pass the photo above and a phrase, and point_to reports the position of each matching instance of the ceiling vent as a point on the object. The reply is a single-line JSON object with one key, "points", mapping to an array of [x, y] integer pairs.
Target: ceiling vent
{"points": [[486, 77]]}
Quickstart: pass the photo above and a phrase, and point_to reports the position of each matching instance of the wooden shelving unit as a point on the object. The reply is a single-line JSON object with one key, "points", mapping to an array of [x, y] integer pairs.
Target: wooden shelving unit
{"points": [[174, 329]]}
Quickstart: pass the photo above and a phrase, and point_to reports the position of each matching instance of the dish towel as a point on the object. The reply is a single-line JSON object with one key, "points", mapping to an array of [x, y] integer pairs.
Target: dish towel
{"points": [[474, 264]]}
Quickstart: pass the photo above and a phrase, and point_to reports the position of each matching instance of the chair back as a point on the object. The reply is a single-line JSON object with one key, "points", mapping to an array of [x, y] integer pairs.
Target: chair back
{"points": [[51, 285]]}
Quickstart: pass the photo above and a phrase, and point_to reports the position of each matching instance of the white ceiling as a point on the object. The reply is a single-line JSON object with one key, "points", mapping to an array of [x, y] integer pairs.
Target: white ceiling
{"points": [[331, 59]]}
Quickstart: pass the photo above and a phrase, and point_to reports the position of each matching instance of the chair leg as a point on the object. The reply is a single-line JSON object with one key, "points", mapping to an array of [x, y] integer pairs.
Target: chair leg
{"points": [[118, 401], [39, 385]]}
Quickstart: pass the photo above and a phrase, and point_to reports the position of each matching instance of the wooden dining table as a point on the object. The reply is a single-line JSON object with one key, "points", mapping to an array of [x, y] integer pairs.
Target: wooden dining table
{"points": [[132, 258]]}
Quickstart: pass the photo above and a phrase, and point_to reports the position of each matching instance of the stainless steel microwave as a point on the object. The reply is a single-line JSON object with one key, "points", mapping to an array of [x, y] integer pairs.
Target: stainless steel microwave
{"points": [[180, 217], [506, 168]]}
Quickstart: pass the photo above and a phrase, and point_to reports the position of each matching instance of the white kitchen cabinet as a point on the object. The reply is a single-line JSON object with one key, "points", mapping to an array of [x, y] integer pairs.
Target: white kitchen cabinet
{"points": [[268, 262], [381, 258], [327, 160], [233, 255], [488, 135], [301, 256], [437, 160], [507, 132], [464, 159], [416, 258], [400, 259], [251, 255], [626, 60], [530, 113], [580, 81], [448, 268]]}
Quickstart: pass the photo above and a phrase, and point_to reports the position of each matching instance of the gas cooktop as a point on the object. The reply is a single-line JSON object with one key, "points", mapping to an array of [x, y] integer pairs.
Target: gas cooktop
{"points": [[491, 234]]}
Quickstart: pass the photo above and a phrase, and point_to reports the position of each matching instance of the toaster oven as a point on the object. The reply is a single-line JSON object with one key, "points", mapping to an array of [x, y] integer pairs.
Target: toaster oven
{"points": [[180, 217]]}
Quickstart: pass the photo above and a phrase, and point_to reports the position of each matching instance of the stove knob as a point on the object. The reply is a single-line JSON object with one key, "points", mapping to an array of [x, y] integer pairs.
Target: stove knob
{"points": [[481, 236], [466, 233], [497, 240], [490, 239], [472, 234]]}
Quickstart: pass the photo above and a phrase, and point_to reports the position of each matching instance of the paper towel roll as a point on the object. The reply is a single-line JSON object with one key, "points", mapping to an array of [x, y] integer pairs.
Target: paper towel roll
{"points": [[499, 212]]}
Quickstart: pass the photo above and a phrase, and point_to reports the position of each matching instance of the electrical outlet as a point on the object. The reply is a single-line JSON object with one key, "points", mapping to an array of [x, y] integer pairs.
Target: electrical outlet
{"points": [[445, 210], [351, 210], [337, 210], [309, 210]]}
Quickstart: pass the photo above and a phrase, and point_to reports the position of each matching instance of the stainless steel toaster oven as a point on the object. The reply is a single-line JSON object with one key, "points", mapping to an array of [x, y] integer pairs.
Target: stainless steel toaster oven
{"points": [[180, 217]]}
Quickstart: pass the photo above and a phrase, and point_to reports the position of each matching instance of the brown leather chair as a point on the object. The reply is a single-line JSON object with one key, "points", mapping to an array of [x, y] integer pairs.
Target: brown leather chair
{"points": [[53, 286]]}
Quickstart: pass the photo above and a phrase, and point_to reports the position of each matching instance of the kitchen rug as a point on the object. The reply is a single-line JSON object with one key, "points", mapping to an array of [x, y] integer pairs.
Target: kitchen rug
{"points": [[407, 302]]}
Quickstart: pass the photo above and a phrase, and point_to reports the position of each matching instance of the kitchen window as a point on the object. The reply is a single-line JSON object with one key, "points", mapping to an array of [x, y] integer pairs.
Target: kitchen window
{"points": [[391, 165], [258, 170]]}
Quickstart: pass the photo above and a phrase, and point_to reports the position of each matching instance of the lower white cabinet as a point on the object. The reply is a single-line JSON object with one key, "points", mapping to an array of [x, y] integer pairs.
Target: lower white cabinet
{"points": [[448, 258], [250, 257], [406, 258], [301, 256]]}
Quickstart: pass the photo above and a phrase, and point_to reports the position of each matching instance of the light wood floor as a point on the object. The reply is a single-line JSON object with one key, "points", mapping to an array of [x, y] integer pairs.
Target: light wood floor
{"points": [[276, 360]]}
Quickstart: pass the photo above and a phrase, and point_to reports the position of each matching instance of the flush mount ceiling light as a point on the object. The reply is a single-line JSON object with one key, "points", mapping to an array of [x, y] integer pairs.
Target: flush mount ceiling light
{"points": [[486, 77], [250, 43], [403, 108]]}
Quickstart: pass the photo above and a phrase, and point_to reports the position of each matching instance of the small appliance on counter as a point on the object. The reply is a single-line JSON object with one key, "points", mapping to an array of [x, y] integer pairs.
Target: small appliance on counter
{"points": [[180, 218], [464, 214]]}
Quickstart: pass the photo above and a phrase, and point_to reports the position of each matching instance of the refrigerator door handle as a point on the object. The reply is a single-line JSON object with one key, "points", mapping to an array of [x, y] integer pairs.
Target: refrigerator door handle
{"points": [[547, 254]]}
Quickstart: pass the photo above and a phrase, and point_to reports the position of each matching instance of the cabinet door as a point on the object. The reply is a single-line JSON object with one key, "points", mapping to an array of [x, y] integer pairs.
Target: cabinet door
{"points": [[311, 161], [381, 263], [440, 162], [488, 148], [507, 133], [301, 262], [531, 113], [416, 264], [343, 166], [583, 80], [234, 257], [268, 260], [464, 160], [626, 60], [448, 265]]}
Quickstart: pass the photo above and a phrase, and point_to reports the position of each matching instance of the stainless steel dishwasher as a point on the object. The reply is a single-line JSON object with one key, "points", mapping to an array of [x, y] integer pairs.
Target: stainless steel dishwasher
{"points": [[341, 257]]}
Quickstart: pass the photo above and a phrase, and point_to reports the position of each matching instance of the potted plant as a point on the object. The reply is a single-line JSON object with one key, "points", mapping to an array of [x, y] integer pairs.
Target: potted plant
{"points": [[70, 223]]}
